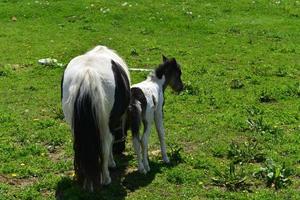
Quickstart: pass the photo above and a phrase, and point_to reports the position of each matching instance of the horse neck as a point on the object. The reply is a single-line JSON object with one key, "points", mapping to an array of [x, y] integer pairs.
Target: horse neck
{"points": [[159, 82]]}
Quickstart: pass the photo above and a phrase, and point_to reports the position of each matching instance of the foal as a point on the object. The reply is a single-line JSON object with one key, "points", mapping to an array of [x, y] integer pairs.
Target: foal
{"points": [[146, 104]]}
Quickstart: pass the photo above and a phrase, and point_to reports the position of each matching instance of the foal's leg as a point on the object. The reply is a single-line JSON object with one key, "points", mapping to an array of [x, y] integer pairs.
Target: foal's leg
{"points": [[145, 139], [136, 116], [158, 117], [137, 149]]}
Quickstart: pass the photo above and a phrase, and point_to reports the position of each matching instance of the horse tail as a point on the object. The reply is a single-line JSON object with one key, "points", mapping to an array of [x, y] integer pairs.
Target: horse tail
{"points": [[135, 118], [137, 107], [86, 129]]}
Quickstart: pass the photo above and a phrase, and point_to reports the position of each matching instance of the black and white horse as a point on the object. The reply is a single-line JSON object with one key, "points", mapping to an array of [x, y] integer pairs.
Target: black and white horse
{"points": [[95, 98], [146, 105]]}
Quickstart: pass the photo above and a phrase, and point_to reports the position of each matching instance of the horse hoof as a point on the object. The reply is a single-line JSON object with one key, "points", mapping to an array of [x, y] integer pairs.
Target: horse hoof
{"points": [[142, 170], [166, 160], [112, 165], [147, 168], [107, 181]]}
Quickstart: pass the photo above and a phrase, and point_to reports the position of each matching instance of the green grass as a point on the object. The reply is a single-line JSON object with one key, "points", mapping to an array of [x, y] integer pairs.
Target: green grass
{"points": [[240, 63]]}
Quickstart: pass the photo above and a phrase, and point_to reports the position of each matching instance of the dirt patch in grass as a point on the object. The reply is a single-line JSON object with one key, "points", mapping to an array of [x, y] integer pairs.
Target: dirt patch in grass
{"points": [[19, 182], [56, 156], [190, 147], [47, 193]]}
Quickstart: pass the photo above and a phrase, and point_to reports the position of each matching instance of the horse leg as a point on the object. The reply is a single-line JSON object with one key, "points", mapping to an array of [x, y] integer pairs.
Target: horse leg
{"points": [[111, 161], [106, 148], [158, 117], [145, 140], [135, 120], [137, 149]]}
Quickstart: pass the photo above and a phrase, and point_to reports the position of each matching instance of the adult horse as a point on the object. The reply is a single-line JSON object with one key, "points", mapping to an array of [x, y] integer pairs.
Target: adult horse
{"points": [[95, 97]]}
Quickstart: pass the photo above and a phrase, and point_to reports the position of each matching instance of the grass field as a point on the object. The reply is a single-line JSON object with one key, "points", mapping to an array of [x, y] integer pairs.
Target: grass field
{"points": [[234, 133]]}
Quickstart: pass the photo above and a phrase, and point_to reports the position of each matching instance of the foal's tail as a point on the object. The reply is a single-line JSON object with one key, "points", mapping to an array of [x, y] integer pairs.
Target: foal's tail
{"points": [[134, 118], [86, 129]]}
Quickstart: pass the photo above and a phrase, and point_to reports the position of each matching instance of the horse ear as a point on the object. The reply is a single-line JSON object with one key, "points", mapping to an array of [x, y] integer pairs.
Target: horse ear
{"points": [[173, 60], [164, 58]]}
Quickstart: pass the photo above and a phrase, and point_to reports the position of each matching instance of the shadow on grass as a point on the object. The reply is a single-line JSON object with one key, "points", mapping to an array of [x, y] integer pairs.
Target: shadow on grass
{"points": [[122, 182], [67, 188], [135, 180]]}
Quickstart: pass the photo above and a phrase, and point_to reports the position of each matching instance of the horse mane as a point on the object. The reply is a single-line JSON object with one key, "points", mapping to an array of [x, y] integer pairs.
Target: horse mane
{"points": [[161, 70], [164, 68]]}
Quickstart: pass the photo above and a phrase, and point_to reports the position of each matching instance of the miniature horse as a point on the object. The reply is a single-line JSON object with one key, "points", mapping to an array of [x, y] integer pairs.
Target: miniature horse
{"points": [[146, 104], [95, 98]]}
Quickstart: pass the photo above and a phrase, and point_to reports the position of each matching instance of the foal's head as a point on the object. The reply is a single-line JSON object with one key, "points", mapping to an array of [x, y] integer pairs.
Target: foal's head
{"points": [[172, 72]]}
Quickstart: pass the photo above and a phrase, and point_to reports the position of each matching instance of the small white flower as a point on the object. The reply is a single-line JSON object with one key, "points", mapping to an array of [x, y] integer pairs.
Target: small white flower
{"points": [[104, 10], [189, 12], [124, 4]]}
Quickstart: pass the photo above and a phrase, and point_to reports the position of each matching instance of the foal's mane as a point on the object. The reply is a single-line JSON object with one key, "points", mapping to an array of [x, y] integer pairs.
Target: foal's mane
{"points": [[165, 67], [161, 70]]}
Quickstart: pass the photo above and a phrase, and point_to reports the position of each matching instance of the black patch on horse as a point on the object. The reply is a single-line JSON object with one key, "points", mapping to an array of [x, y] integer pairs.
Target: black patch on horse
{"points": [[138, 95], [165, 68], [154, 100], [61, 86], [122, 98], [135, 115]]}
